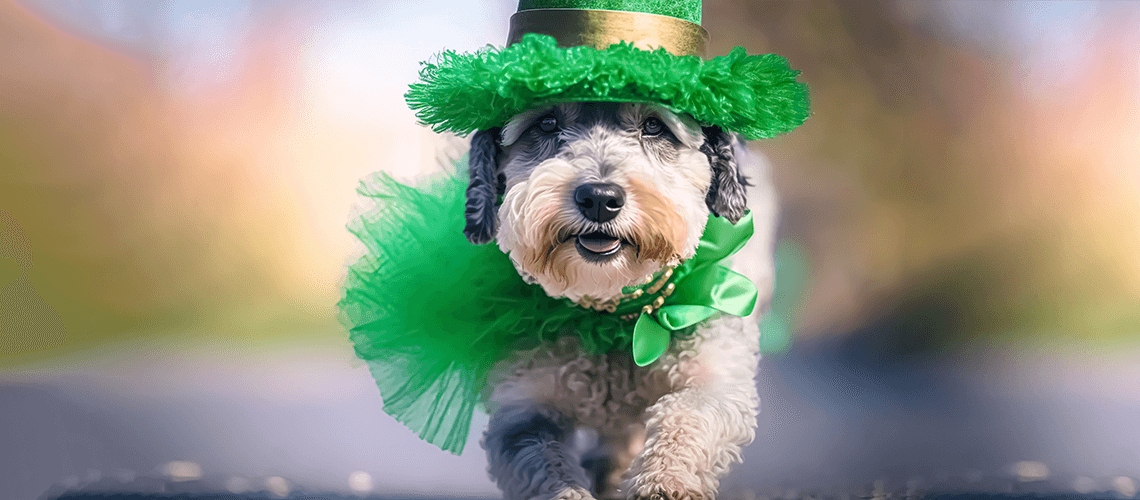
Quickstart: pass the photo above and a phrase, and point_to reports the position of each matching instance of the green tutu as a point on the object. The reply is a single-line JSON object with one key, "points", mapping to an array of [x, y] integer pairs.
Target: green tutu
{"points": [[431, 313]]}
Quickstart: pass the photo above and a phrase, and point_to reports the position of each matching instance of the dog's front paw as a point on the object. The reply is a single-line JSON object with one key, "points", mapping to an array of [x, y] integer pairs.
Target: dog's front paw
{"points": [[667, 489], [566, 493], [666, 483]]}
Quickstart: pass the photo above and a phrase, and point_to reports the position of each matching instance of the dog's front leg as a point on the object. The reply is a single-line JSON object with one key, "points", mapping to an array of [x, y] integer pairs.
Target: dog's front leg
{"points": [[528, 456], [695, 433]]}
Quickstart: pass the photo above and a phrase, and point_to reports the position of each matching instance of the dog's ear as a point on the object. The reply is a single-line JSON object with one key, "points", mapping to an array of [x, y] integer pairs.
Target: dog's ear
{"points": [[484, 187], [726, 196]]}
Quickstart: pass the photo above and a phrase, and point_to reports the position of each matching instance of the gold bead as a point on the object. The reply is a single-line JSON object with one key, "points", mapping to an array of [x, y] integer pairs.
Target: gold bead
{"points": [[636, 293], [649, 279], [660, 301], [668, 290], [656, 286], [668, 273], [647, 309]]}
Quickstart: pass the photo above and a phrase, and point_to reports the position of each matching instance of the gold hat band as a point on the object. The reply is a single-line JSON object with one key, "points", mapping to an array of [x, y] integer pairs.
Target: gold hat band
{"points": [[602, 28]]}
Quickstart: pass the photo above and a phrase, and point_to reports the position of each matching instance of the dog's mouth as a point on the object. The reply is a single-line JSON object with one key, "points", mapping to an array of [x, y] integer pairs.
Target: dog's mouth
{"points": [[598, 245]]}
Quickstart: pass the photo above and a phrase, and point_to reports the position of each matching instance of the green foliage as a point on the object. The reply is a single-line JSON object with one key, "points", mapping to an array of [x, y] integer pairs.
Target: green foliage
{"points": [[792, 273]]}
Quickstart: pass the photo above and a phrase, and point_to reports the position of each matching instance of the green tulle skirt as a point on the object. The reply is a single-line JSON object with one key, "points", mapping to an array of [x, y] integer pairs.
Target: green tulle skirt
{"points": [[431, 313]]}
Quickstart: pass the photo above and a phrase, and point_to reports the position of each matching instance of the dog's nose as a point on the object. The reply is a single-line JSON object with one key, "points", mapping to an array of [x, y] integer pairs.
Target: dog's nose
{"points": [[599, 201]]}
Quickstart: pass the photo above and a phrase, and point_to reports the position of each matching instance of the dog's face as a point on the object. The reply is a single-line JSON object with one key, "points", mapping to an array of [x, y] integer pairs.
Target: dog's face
{"points": [[596, 196]]}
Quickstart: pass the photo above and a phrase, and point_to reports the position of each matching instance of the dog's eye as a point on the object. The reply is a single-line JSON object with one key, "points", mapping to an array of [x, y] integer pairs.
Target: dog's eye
{"points": [[548, 124], [652, 126]]}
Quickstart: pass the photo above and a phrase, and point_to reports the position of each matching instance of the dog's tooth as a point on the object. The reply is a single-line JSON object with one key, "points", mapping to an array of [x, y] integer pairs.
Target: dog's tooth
{"points": [[601, 247]]}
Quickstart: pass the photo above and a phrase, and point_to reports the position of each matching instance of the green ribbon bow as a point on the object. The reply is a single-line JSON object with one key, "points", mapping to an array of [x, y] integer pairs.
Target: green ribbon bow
{"points": [[704, 287]]}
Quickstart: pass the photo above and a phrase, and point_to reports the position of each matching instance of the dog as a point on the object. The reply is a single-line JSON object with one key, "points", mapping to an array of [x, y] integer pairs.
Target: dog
{"points": [[587, 198]]}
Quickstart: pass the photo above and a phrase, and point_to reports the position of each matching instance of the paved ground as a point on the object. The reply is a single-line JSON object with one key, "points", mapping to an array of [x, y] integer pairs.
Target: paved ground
{"points": [[837, 420], [124, 494]]}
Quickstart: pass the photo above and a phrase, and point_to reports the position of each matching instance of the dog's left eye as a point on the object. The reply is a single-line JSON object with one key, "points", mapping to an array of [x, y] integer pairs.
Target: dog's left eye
{"points": [[548, 124], [652, 126]]}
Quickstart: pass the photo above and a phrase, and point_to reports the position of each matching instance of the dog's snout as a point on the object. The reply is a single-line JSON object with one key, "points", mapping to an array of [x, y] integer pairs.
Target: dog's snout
{"points": [[599, 202]]}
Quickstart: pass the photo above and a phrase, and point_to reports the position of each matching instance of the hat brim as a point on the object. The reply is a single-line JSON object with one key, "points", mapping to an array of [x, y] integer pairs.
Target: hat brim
{"points": [[755, 96]]}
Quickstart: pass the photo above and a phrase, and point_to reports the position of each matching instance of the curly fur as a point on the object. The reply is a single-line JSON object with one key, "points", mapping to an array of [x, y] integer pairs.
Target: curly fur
{"points": [[669, 430]]}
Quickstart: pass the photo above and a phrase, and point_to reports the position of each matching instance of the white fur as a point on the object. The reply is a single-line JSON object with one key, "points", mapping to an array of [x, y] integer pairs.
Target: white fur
{"points": [[673, 428], [543, 194]]}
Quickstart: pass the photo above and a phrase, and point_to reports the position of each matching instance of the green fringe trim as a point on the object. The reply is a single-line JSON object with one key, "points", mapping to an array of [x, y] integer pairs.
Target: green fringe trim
{"points": [[755, 96]]}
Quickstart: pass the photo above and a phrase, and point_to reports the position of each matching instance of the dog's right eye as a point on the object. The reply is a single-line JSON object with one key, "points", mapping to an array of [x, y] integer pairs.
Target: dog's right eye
{"points": [[652, 127], [548, 124]]}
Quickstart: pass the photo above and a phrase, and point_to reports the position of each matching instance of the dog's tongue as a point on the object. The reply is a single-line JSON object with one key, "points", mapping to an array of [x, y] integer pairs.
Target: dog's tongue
{"points": [[599, 242]]}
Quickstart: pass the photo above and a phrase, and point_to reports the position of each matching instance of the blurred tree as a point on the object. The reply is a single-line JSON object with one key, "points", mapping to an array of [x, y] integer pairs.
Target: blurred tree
{"points": [[908, 184], [136, 227]]}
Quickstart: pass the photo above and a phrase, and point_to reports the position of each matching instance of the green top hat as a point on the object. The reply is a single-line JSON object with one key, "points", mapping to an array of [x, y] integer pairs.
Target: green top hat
{"points": [[614, 51]]}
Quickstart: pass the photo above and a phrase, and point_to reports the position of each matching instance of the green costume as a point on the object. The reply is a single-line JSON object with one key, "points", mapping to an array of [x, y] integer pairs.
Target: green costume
{"points": [[431, 313]]}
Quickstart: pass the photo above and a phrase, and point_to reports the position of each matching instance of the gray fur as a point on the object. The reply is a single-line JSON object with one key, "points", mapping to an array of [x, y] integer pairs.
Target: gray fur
{"points": [[528, 455], [483, 188], [726, 196]]}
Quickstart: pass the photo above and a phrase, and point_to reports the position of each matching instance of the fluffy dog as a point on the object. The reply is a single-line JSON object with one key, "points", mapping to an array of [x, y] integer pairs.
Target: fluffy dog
{"points": [[595, 197]]}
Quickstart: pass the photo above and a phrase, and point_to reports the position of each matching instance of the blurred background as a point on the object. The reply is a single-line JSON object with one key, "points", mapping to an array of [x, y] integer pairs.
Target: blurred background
{"points": [[959, 282]]}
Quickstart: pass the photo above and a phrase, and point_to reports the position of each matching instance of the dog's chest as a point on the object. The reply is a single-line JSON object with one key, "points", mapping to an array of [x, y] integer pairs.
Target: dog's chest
{"points": [[606, 392]]}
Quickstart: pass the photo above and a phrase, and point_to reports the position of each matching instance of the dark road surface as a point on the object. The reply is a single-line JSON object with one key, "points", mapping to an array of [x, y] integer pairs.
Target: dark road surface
{"points": [[837, 420]]}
